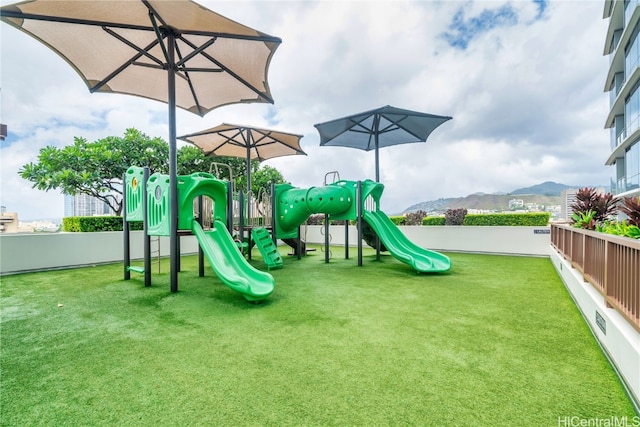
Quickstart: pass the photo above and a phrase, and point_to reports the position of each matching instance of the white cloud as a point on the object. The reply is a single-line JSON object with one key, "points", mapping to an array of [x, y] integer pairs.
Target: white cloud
{"points": [[526, 96]]}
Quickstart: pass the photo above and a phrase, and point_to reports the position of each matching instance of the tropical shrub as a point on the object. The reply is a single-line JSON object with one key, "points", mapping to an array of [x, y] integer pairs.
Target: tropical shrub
{"points": [[433, 220], [316, 219], [628, 227], [529, 219], [620, 228], [455, 216], [398, 219], [588, 199], [631, 208], [414, 218], [369, 235], [88, 224], [584, 220]]}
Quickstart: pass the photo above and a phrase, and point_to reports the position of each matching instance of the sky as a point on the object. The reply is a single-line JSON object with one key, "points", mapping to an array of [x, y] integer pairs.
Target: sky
{"points": [[523, 80]]}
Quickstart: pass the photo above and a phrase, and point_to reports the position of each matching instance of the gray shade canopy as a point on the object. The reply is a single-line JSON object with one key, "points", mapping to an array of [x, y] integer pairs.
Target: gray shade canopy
{"points": [[173, 51], [382, 127], [250, 143]]}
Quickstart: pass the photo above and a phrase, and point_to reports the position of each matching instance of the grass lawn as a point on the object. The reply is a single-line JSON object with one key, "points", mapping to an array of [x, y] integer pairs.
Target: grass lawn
{"points": [[496, 341]]}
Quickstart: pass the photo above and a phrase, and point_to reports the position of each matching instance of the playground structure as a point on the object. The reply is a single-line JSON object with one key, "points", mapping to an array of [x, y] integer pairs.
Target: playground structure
{"points": [[207, 209]]}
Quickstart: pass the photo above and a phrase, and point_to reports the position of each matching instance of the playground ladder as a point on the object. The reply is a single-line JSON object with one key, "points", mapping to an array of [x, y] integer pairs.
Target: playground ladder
{"points": [[267, 248], [156, 252]]}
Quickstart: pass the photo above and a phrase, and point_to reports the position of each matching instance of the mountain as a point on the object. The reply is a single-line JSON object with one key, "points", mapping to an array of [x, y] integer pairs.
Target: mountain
{"points": [[490, 202], [544, 194], [548, 188]]}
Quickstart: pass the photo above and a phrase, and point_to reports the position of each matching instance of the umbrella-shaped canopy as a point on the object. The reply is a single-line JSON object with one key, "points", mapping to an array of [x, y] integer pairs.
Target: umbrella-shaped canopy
{"points": [[246, 142], [378, 128], [123, 46], [173, 51]]}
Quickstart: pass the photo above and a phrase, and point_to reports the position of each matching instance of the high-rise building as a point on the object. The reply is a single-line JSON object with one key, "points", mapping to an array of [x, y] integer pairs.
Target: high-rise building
{"points": [[84, 205], [622, 45]]}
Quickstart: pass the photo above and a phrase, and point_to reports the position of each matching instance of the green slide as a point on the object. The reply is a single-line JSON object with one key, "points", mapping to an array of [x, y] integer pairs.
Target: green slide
{"points": [[229, 264], [422, 260]]}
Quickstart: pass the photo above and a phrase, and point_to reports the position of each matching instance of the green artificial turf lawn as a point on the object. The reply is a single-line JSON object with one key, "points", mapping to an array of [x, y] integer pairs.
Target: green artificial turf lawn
{"points": [[496, 341]]}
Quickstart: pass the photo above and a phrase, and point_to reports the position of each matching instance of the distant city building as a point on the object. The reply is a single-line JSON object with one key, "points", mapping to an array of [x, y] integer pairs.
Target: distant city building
{"points": [[516, 203], [622, 45], [567, 198], [8, 221], [85, 205]]}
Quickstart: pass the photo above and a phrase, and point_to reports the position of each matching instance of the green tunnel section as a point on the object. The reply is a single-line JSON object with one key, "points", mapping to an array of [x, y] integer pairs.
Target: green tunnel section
{"points": [[134, 193], [295, 205]]}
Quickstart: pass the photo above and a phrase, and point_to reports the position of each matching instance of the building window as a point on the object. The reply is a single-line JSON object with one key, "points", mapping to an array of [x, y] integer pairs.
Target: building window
{"points": [[632, 112], [632, 166]]}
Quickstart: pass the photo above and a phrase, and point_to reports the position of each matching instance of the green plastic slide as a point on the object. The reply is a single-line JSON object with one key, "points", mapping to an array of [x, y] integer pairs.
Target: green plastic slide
{"points": [[229, 264], [422, 260]]}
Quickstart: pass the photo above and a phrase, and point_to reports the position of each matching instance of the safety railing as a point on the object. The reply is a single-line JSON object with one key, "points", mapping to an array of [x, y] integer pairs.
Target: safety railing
{"points": [[610, 263]]}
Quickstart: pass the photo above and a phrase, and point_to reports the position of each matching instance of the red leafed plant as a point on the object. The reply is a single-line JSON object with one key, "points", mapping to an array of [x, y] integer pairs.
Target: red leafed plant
{"points": [[631, 208], [603, 205]]}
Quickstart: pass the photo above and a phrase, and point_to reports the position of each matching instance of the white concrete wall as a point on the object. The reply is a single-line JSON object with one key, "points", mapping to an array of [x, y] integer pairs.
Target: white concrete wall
{"points": [[42, 251], [485, 239], [621, 341]]}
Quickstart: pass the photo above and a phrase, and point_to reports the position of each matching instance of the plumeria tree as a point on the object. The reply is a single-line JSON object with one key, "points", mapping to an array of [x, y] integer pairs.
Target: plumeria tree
{"points": [[96, 168]]}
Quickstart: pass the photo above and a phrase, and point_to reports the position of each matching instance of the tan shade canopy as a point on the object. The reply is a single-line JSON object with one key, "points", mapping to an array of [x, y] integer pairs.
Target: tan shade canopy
{"points": [[246, 142], [173, 51], [229, 140], [114, 46]]}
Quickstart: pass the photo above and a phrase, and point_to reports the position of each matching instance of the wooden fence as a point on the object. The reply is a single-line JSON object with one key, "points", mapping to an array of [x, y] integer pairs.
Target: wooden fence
{"points": [[610, 263]]}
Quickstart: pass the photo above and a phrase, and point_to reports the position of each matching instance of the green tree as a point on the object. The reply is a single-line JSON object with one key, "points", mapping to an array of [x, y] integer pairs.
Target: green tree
{"points": [[96, 168], [191, 159], [262, 178]]}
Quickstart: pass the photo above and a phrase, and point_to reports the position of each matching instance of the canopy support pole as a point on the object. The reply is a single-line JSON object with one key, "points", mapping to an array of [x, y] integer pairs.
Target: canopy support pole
{"points": [[145, 228], [359, 220], [173, 180]]}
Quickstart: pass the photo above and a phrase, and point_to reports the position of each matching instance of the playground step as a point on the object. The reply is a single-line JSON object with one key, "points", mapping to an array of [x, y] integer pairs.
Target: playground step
{"points": [[136, 269], [267, 248]]}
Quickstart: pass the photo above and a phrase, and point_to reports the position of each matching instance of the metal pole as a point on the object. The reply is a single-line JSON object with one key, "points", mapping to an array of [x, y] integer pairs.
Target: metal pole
{"points": [[346, 239], [248, 161], [200, 252], [249, 196], [125, 232], [241, 216], [359, 219], [326, 238], [173, 167], [230, 206], [376, 125], [299, 245], [145, 228], [248, 176], [273, 214]]}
